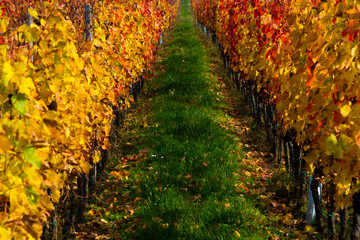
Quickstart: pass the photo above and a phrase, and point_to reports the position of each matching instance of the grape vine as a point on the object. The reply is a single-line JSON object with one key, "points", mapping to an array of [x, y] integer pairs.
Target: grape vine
{"points": [[56, 92], [302, 57]]}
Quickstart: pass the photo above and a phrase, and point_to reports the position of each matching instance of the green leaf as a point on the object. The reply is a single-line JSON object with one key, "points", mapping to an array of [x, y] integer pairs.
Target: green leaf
{"points": [[338, 153], [30, 33], [32, 196], [331, 143], [344, 142], [30, 156], [20, 103]]}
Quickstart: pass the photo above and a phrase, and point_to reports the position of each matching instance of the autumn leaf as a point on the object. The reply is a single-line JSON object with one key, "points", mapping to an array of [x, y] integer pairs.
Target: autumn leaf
{"points": [[30, 156], [4, 144], [357, 138], [33, 13], [345, 110], [309, 229]]}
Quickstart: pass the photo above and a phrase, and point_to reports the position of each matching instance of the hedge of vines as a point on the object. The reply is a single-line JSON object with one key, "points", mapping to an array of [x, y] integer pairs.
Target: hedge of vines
{"points": [[58, 89], [298, 63]]}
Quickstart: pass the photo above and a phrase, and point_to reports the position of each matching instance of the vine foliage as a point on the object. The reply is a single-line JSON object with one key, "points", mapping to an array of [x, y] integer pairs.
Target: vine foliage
{"points": [[56, 93]]}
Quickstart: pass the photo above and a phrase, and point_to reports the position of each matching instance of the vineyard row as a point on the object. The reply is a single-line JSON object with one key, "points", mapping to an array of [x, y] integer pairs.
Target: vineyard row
{"points": [[297, 63], [66, 68]]}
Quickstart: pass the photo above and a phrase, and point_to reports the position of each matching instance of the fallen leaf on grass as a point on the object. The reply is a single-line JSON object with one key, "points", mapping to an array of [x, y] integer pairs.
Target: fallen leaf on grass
{"points": [[120, 174], [91, 212], [125, 194], [247, 173], [242, 186], [157, 219], [237, 234], [274, 204], [145, 150], [265, 177], [309, 229], [288, 219], [266, 200], [121, 166]]}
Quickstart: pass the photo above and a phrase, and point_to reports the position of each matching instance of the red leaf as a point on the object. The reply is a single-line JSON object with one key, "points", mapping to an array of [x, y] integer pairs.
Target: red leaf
{"points": [[310, 81]]}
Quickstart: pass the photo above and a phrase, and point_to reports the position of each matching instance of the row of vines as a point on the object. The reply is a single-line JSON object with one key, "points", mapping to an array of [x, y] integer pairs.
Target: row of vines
{"points": [[64, 67], [298, 64]]}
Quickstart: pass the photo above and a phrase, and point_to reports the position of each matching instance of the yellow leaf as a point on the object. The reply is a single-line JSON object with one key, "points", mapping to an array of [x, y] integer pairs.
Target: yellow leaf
{"points": [[85, 166], [237, 234], [247, 173], [288, 219], [91, 212], [345, 110], [352, 11], [4, 144], [96, 66], [3, 26], [309, 229], [5, 233], [258, 88], [37, 229], [312, 167], [354, 51], [55, 86], [97, 157], [17, 201], [26, 85], [55, 195], [33, 13]]}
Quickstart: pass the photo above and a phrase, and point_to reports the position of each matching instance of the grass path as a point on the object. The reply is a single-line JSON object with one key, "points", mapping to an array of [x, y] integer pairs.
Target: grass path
{"points": [[190, 191], [177, 164]]}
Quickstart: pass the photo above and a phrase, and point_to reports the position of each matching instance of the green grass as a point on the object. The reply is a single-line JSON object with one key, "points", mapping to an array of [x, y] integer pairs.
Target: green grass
{"points": [[189, 191]]}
